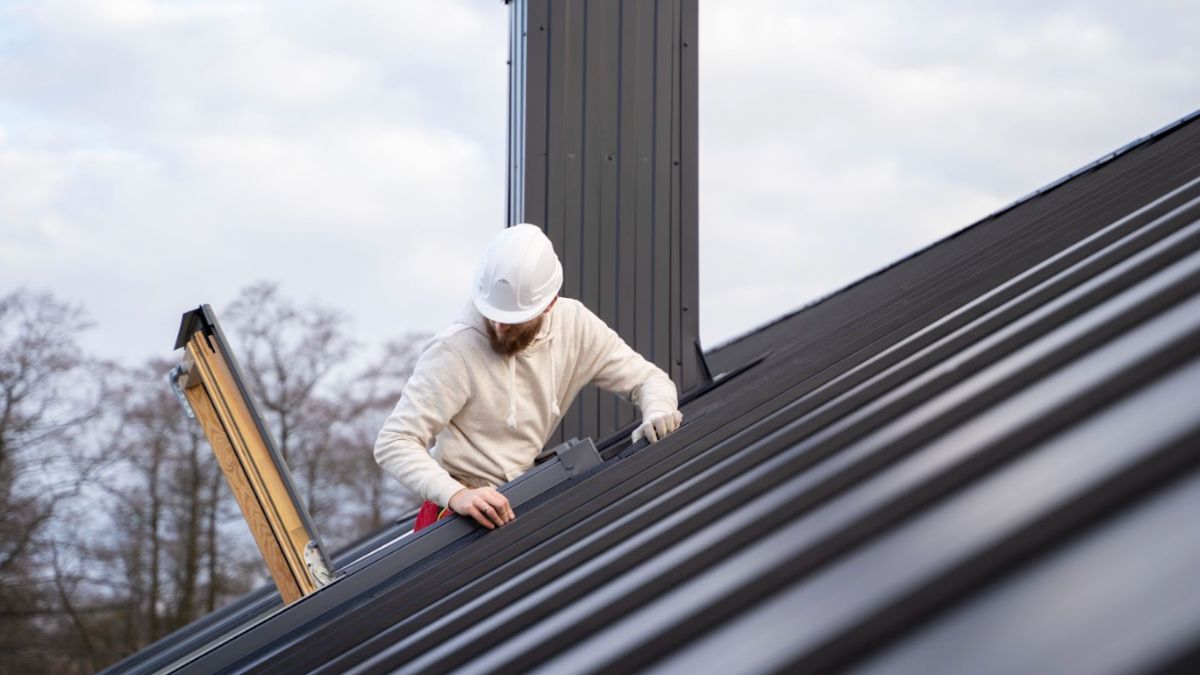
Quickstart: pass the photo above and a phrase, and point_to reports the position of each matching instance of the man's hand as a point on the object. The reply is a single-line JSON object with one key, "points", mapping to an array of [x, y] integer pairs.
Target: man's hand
{"points": [[486, 505], [656, 427]]}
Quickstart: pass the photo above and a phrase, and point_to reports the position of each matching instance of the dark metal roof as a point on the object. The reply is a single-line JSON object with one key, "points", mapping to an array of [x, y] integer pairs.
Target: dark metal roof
{"points": [[985, 458]]}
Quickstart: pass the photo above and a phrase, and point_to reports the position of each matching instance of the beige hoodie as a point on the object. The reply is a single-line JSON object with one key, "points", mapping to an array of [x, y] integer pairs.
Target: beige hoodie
{"points": [[469, 417]]}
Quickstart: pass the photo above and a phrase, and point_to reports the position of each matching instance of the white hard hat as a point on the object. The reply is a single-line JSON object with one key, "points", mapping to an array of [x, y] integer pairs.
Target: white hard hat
{"points": [[519, 275]]}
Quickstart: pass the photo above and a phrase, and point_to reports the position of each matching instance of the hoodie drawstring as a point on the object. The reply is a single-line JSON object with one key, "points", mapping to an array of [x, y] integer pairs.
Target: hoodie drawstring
{"points": [[512, 395], [553, 380]]}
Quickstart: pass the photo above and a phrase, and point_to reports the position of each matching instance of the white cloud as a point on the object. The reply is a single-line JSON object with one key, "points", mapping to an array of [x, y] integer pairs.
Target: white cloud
{"points": [[155, 155], [159, 155], [837, 138]]}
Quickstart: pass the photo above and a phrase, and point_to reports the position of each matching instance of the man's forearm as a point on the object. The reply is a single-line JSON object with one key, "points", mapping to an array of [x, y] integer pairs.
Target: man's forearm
{"points": [[657, 395], [406, 460]]}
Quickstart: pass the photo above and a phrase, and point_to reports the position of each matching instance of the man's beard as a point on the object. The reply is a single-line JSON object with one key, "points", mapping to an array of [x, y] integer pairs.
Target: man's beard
{"points": [[515, 338]]}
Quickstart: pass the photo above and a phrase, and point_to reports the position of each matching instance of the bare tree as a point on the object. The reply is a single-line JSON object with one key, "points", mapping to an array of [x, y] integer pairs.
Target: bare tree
{"points": [[376, 389], [116, 526], [173, 544], [289, 354], [42, 403], [325, 415], [38, 354]]}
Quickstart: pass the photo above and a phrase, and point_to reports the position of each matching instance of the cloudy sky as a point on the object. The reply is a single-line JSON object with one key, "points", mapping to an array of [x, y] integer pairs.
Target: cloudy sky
{"points": [[156, 155]]}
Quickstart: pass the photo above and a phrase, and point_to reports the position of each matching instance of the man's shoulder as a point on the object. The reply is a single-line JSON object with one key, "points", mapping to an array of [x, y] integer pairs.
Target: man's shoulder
{"points": [[460, 338], [580, 321], [449, 332], [572, 309]]}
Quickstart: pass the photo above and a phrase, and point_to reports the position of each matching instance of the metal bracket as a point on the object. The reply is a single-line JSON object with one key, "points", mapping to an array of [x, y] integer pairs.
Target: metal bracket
{"points": [[548, 453], [317, 566], [578, 456], [173, 380], [705, 372]]}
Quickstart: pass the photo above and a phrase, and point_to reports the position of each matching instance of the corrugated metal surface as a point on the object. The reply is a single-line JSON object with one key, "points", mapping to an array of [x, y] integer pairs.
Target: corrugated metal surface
{"points": [[603, 155], [985, 458]]}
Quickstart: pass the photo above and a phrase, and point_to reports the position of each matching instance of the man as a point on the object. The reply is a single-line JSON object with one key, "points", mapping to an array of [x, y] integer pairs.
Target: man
{"points": [[487, 392]]}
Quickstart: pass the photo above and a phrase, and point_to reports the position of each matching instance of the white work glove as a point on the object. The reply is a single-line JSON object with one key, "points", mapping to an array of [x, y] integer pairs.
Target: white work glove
{"points": [[657, 426]]}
